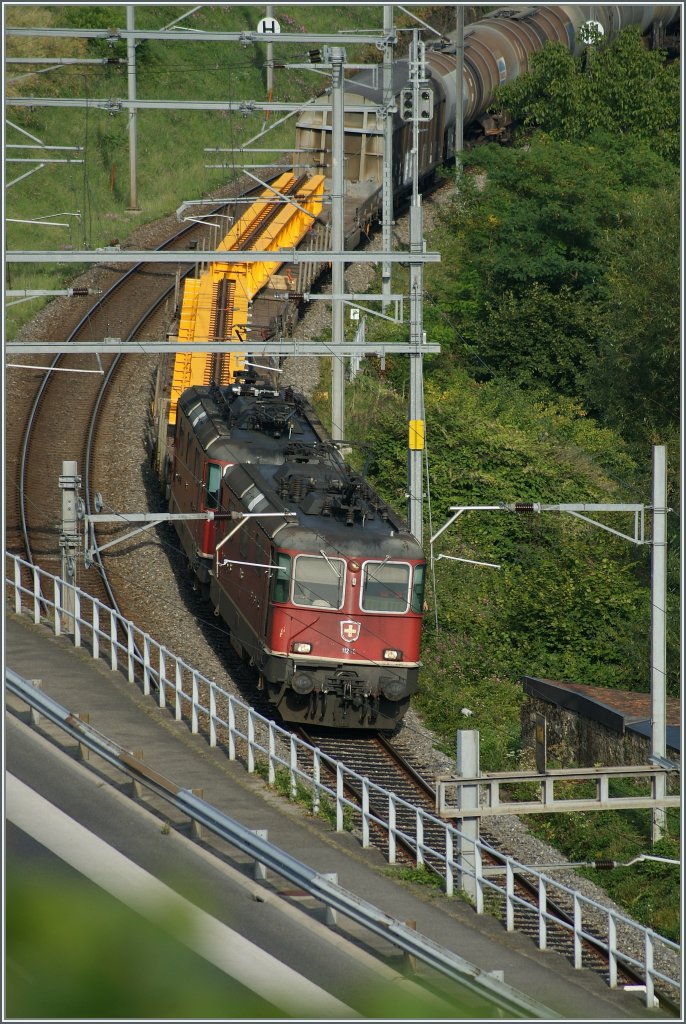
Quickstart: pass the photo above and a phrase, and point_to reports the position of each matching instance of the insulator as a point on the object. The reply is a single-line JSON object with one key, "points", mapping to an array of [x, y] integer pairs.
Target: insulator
{"points": [[604, 865], [524, 506], [81, 291]]}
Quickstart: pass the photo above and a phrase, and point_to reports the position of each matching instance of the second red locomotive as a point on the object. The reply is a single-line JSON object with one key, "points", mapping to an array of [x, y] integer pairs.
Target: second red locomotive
{"points": [[318, 580]]}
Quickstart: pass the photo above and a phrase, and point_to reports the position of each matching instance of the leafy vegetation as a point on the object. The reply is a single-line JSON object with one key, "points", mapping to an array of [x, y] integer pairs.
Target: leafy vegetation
{"points": [[622, 89], [556, 305], [649, 889]]}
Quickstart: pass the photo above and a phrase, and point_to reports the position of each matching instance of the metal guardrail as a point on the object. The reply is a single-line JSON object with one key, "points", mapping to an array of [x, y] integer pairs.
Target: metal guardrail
{"points": [[548, 802], [282, 863], [186, 691]]}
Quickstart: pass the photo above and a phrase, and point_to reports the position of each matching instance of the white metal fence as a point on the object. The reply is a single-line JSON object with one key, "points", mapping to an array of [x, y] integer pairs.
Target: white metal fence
{"points": [[246, 735]]}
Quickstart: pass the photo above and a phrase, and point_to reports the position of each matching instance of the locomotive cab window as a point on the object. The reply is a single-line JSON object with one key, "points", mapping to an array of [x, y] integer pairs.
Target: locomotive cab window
{"points": [[212, 485], [385, 587], [318, 582], [418, 588], [282, 578]]}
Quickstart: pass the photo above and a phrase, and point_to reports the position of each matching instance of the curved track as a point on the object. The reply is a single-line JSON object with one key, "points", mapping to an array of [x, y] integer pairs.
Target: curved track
{"points": [[57, 418]]}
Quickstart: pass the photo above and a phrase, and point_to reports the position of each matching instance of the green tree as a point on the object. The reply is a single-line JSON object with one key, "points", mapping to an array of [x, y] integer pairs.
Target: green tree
{"points": [[543, 211], [634, 386], [619, 87], [538, 337], [526, 246]]}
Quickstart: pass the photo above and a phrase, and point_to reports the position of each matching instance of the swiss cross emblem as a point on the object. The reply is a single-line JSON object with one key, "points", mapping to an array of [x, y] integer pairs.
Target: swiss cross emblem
{"points": [[350, 630]]}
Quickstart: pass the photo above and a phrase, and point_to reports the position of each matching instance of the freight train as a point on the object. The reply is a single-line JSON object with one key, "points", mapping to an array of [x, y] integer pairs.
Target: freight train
{"points": [[497, 49], [319, 581]]}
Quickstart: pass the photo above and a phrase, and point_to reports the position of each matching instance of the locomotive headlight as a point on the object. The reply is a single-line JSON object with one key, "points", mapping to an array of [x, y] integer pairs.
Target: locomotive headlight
{"points": [[302, 683], [394, 689], [301, 648], [391, 654]]}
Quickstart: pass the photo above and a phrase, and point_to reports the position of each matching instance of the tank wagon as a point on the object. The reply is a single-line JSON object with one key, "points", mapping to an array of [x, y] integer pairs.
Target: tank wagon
{"points": [[319, 581], [497, 49]]}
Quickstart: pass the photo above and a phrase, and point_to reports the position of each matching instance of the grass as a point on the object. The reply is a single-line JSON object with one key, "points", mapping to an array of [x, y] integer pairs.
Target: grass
{"points": [[420, 876], [92, 198], [304, 796]]}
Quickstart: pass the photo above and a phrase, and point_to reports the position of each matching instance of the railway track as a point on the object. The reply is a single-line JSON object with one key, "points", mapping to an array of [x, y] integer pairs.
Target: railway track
{"points": [[376, 759], [75, 401], [94, 411], [59, 417]]}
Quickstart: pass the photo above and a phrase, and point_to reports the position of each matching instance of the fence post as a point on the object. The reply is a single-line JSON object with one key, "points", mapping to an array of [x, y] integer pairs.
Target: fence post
{"points": [[339, 797], [391, 828], [130, 661], [294, 766], [34, 716], [578, 962], [260, 869], [419, 831], [95, 630], [449, 855], [365, 812], [37, 593], [509, 896], [17, 589], [113, 640], [196, 827], [542, 912], [213, 715], [272, 755], [612, 949], [146, 665], [232, 730], [316, 779], [330, 915], [194, 702], [77, 617], [251, 742], [57, 606], [162, 695], [178, 690], [467, 749]]}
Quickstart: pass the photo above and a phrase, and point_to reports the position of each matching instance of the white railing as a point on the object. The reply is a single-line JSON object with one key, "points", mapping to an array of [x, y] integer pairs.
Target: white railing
{"points": [[246, 735]]}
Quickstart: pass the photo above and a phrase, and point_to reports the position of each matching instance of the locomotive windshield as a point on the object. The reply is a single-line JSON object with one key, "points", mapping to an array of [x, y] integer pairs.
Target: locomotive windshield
{"points": [[212, 485], [318, 582], [385, 587]]}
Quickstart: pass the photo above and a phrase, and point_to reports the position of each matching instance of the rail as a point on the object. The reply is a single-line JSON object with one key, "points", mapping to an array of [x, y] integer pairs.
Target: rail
{"points": [[179, 686]]}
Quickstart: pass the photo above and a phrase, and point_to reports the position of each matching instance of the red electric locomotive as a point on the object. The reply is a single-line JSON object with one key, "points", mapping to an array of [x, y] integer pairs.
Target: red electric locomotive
{"points": [[319, 581]]}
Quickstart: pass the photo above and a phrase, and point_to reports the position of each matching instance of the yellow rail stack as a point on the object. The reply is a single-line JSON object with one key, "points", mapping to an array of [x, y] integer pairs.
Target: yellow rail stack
{"points": [[215, 305]]}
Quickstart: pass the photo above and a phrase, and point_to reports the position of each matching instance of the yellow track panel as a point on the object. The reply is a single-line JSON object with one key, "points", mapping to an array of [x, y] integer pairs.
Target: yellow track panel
{"points": [[286, 230], [200, 315], [260, 208]]}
